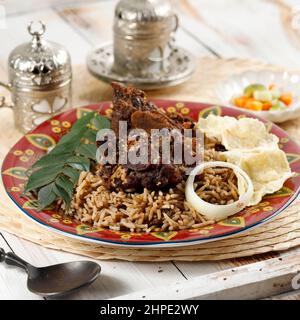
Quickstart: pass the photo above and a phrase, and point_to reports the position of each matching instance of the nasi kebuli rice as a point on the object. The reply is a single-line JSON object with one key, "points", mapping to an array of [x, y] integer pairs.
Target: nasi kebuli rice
{"points": [[241, 162]]}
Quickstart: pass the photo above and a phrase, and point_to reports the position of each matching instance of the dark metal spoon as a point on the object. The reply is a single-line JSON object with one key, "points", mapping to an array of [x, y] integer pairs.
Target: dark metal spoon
{"points": [[56, 280]]}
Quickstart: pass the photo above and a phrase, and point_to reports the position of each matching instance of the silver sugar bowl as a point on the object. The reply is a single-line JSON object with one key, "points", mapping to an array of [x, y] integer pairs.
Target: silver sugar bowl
{"points": [[40, 77], [143, 32]]}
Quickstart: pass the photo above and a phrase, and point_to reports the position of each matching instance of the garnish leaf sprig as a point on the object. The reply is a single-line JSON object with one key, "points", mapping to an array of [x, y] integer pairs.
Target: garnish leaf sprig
{"points": [[55, 175]]}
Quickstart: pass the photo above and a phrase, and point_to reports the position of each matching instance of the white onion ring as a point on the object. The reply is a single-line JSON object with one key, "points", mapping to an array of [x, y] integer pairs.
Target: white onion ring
{"points": [[216, 211]]}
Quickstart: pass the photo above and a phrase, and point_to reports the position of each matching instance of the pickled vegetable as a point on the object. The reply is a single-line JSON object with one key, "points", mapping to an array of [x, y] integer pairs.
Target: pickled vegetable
{"points": [[266, 106], [240, 101], [254, 105], [262, 95], [249, 90], [278, 105], [257, 97], [286, 98]]}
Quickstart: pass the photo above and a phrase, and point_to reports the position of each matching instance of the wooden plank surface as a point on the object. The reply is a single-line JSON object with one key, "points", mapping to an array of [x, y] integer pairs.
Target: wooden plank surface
{"points": [[253, 281], [292, 295], [247, 29], [252, 28]]}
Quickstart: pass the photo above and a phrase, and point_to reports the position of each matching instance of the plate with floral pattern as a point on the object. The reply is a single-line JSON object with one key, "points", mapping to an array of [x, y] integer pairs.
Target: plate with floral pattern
{"points": [[36, 143]]}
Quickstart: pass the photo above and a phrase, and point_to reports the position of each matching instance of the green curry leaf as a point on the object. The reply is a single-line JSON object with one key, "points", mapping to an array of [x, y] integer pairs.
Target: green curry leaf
{"points": [[55, 175], [46, 196]]}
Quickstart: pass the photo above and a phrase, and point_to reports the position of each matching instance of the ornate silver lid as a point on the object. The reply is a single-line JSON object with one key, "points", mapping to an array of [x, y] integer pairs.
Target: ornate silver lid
{"points": [[144, 17], [39, 64], [141, 10]]}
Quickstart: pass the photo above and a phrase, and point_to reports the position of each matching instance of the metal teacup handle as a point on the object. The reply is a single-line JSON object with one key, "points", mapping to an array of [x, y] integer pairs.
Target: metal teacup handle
{"points": [[163, 57], [176, 24], [2, 99]]}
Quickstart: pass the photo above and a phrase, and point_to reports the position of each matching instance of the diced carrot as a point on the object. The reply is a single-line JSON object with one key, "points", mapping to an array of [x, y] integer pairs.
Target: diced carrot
{"points": [[286, 98], [241, 101], [272, 86], [267, 105], [254, 105]]}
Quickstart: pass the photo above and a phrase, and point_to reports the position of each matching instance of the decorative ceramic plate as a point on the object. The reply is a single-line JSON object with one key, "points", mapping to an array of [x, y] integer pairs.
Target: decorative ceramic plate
{"points": [[35, 143], [289, 82]]}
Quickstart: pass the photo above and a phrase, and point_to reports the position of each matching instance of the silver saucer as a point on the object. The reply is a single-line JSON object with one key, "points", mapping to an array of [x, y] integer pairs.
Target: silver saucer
{"points": [[100, 63]]}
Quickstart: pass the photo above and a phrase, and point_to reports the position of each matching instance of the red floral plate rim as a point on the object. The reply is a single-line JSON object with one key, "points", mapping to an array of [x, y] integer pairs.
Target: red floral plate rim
{"points": [[35, 143]]}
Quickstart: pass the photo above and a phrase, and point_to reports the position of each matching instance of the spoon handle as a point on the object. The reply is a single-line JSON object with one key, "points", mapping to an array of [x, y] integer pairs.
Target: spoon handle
{"points": [[12, 259]]}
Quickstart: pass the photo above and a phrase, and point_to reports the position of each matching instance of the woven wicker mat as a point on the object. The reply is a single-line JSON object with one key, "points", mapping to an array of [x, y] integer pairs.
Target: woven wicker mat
{"points": [[280, 234]]}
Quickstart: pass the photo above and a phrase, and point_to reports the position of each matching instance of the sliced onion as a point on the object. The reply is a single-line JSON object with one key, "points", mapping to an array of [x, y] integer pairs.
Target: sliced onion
{"points": [[216, 211]]}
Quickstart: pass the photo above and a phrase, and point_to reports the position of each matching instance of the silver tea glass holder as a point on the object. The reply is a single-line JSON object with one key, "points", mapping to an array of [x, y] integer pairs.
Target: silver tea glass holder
{"points": [[144, 52]]}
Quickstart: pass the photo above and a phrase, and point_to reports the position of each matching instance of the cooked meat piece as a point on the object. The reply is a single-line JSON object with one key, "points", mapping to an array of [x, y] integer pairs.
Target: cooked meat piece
{"points": [[131, 96], [160, 177], [106, 172], [219, 147], [148, 120], [138, 166], [170, 174], [156, 177], [131, 105], [184, 121], [127, 100], [122, 112]]}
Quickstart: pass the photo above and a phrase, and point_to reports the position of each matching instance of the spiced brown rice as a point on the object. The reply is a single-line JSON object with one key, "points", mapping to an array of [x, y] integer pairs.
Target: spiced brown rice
{"points": [[151, 211]]}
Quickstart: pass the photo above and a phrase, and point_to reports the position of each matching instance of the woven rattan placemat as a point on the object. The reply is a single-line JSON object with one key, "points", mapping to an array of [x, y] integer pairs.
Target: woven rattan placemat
{"points": [[280, 234]]}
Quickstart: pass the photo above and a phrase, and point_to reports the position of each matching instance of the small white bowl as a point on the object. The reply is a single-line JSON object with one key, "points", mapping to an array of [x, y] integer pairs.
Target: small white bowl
{"points": [[289, 82]]}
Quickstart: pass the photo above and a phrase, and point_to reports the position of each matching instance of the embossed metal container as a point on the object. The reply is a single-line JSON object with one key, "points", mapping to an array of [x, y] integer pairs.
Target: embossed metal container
{"points": [[40, 78], [142, 36]]}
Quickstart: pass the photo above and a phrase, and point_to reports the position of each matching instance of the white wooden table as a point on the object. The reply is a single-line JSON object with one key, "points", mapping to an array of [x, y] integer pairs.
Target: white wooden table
{"points": [[262, 29]]}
